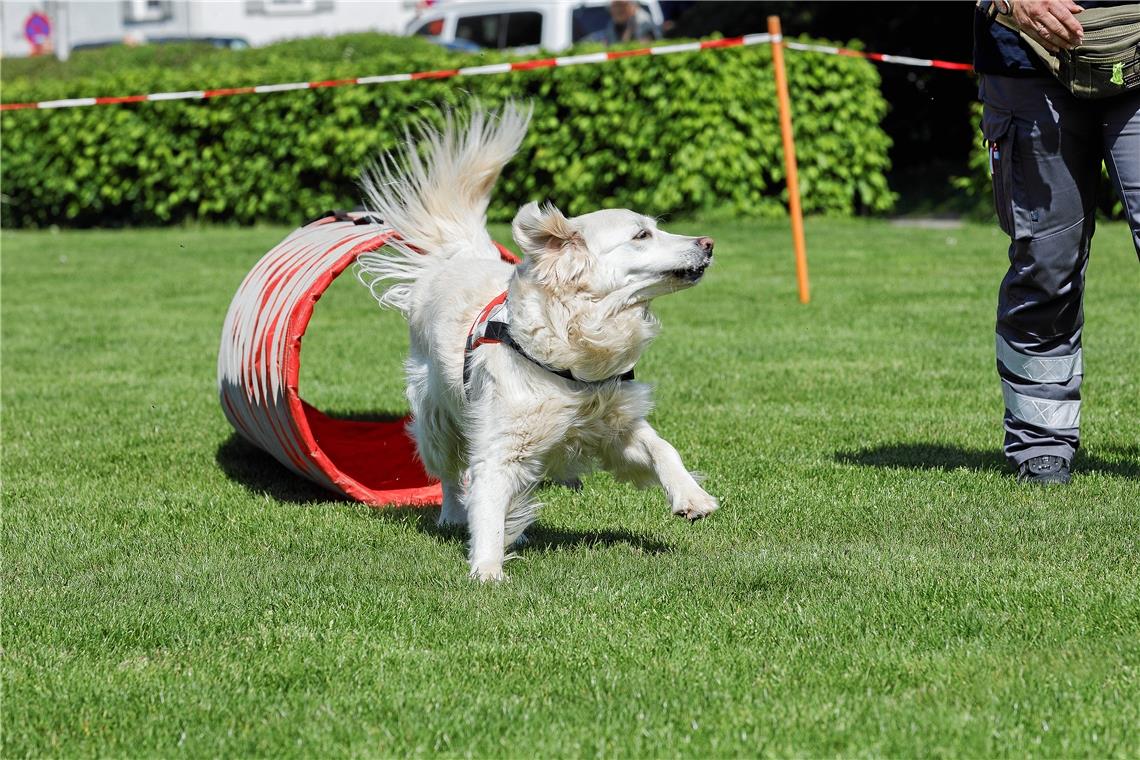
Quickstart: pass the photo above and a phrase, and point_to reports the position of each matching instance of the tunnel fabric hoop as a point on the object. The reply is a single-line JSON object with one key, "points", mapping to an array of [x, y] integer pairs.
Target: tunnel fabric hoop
{"points": [[259, 363]]}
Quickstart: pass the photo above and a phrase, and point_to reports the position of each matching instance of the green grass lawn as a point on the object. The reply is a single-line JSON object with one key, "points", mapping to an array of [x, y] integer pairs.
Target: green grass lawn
{"points": [[874, 583]]}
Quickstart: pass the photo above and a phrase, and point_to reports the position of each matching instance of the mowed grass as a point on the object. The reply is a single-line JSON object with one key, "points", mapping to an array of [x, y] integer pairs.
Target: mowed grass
{"points": [[874, 583]]}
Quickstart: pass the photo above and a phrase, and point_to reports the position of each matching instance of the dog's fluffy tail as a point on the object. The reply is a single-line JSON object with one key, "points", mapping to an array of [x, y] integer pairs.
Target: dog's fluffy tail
{"points": [[434, 194]]}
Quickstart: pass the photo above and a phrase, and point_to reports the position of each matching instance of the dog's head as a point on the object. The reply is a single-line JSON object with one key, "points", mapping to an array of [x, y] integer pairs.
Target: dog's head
{"points": [[613, 255]]}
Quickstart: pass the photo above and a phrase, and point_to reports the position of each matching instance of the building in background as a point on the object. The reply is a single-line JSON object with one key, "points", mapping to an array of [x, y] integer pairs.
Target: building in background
{"points": [[231, 23]]}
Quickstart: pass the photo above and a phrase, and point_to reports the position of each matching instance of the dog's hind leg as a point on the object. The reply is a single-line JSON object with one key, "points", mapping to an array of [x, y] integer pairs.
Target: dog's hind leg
{"points": [[438, 441], [644, 457], [493, 494], [453, 512], [521, 513], [443, 462]]}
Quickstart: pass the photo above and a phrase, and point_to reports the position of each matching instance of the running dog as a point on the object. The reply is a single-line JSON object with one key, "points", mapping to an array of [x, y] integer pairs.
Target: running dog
{"points": [[520, 374]]}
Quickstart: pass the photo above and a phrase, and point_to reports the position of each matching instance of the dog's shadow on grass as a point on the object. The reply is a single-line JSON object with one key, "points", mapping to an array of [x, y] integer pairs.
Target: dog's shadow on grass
{"points": [[539, 538], [260, 473], [934, 456]]}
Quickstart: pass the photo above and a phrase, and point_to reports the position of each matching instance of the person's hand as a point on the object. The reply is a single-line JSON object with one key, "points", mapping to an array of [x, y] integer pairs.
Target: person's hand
{"points": [[1050, 22]]}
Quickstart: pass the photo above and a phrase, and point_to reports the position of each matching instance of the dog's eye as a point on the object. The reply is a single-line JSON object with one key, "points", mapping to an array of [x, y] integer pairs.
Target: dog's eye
{"points": [[643, 235]]}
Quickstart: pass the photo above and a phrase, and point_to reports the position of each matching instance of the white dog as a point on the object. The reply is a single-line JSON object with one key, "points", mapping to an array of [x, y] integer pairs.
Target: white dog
{"points": [[521, 374]]}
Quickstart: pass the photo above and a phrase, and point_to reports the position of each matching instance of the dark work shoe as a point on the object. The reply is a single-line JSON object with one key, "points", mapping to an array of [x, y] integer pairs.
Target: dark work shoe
{"points": [[1044, 470]]}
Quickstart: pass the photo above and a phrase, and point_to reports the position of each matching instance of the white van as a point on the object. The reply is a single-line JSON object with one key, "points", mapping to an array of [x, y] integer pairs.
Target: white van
{"points": [[521, 26]]}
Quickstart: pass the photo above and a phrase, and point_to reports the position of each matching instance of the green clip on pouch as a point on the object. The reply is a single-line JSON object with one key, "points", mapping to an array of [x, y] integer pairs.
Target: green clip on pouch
{"points": [[1107, 63]]}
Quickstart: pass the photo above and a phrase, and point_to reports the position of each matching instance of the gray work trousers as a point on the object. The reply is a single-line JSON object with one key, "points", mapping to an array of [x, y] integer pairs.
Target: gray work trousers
{"points": [[1046, 148]]}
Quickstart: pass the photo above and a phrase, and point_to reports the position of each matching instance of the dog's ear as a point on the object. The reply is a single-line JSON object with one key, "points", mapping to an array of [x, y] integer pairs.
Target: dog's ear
{"points": [[543, 230], [556, 256]]}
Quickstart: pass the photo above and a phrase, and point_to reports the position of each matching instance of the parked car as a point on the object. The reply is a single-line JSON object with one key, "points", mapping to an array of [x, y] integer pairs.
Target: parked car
{"points": [[522, 26], [227, 43]]}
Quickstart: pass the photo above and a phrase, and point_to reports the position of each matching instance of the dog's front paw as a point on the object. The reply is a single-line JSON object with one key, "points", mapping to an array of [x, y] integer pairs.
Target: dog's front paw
{"points": [[695, 507], [488, 572]]}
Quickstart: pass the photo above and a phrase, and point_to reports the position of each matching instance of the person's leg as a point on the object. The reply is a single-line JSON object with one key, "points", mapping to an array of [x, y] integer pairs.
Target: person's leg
{"points": [[1121, 129], [1045, 152]]}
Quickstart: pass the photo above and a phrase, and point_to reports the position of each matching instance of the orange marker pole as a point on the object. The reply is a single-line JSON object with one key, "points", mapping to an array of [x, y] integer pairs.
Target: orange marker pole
{"points": [[794, 209]]}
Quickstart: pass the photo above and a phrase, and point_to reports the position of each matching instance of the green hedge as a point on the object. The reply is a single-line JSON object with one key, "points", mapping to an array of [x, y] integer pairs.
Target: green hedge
{"points": [[665, 135]]}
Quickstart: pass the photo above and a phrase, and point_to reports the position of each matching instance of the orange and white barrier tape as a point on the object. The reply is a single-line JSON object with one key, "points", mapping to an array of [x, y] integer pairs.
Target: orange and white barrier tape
{"points": [[494, 68], [901, 60]]}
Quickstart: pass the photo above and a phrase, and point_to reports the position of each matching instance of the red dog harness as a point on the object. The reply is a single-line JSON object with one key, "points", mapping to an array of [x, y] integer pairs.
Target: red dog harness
{"points": [[493, 325]]}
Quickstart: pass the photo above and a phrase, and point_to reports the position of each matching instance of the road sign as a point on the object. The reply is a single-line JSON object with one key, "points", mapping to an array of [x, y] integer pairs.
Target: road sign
{"points": [[37, 31]]}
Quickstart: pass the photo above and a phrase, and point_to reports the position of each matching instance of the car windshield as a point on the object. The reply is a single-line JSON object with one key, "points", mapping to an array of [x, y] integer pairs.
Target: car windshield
{"points": [[588, 21]]}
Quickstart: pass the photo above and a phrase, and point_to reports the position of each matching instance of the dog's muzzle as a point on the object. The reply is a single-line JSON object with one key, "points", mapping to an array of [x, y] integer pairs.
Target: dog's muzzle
{"points": [[703, 258]]}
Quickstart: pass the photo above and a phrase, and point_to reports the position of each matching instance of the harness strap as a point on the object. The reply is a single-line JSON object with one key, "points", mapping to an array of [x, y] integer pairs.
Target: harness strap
{"points": [[356, 217], [486, 329]]}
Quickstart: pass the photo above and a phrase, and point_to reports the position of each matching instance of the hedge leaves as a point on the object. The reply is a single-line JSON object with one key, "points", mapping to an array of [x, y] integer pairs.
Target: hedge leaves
{"points": [[664, 135]]}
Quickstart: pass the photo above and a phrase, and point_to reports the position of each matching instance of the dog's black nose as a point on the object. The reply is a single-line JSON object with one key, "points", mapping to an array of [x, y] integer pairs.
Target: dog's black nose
{"points": [[706, 244]]}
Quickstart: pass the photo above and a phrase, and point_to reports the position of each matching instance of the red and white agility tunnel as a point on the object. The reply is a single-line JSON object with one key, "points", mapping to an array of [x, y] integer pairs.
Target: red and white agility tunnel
{"points": [[259, 365]]}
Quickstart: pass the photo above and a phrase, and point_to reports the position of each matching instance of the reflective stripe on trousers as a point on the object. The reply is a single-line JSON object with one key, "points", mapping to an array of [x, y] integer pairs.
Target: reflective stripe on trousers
{"points": [[1042, 412]]}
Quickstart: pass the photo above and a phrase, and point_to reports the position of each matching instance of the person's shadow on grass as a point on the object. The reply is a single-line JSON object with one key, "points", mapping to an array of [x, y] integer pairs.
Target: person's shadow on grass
{"points": [[934, 456], [260, 473]]}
